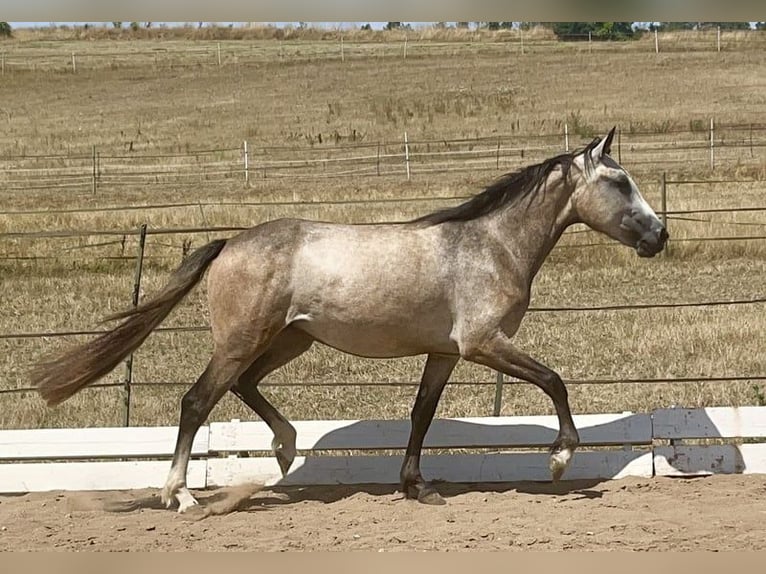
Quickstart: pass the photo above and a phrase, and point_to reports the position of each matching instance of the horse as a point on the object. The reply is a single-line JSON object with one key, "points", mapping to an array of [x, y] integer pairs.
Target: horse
{"points": [[452, 284]]}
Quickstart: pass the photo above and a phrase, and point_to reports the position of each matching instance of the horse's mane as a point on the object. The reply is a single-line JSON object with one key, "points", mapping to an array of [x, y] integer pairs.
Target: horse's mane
{"points": [[509, 188]]}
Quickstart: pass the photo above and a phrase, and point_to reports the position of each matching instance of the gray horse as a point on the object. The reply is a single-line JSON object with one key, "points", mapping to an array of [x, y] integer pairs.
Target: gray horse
{"points": [[453, 284]]}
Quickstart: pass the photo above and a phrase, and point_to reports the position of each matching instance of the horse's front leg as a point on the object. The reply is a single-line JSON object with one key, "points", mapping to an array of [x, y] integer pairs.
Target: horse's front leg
{"points": [[495, 350], [435, 376]]}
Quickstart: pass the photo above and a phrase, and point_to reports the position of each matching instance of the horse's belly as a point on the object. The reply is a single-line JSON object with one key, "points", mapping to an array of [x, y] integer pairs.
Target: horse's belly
{"points": [[368, 339]]}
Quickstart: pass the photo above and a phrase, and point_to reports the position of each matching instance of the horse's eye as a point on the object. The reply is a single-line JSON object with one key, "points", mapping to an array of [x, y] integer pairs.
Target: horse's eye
{"points": [[623, 186]]}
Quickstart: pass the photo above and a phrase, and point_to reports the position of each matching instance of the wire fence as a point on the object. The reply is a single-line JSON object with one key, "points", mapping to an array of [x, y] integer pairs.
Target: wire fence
{"points": [[112, 237], [127, 384], [703, 144], [391, 384], [118, 236], [79, 57]]}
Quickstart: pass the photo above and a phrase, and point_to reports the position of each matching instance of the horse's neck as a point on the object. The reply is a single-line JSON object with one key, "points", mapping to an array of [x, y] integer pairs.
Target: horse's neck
{"points": [[533, 227]]}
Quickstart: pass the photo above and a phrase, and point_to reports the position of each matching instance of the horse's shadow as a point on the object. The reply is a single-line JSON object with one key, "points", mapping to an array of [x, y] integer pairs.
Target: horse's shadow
{"points": [[286, 495], [330, 478], [380, 475]]}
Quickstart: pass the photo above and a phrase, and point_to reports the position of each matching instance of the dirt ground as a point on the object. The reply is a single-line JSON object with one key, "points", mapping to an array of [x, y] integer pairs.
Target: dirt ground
{"points": [[713, 513]]}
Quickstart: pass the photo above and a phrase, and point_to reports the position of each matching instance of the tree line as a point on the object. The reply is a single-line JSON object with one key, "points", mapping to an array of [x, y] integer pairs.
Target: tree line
{"points": [[562, 30]]}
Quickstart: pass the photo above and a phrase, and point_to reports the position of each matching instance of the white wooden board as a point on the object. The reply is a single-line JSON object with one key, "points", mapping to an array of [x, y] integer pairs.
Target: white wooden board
{"points": [[692, 460], [491, 432], [500, 467], [112, 475], [95, 443], [712, 422]]}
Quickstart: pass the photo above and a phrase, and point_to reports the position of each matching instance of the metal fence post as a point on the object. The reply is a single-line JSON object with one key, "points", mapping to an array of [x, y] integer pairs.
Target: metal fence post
{"points": [[136, 294], [664, 205], [498, 395]]}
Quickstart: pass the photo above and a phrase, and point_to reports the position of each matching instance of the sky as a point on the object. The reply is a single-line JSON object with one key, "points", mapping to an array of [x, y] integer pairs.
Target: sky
{"points": [[375, 25]]}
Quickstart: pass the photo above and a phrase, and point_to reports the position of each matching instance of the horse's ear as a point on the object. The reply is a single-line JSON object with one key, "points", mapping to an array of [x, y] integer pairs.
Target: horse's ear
{"points": [[604, 147]]}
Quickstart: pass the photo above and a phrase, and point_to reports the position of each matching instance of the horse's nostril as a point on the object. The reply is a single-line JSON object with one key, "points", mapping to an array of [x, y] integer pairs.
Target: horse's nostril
{"points": [[664, 234]]}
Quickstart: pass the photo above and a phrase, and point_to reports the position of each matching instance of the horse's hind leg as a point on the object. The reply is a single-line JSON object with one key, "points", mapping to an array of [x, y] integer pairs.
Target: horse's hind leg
{"points": [[288, 345], [435, 376], [220, 374]]}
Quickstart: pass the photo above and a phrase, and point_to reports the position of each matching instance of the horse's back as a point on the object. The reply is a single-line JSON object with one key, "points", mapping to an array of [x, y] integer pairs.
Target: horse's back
{"points": [[373, 290]]}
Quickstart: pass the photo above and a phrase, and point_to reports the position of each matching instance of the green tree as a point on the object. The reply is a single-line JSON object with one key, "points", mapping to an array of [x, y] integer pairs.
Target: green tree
{"points": [[117, 25], [725, 25], [393, 25], [5, 30], [599, 30]]}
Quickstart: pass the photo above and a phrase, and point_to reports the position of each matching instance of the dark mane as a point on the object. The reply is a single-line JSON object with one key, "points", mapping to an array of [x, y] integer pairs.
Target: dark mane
{"points": [[508, 188]]}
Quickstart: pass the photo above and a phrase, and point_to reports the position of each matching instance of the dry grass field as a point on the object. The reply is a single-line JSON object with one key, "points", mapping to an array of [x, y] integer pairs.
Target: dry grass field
{"points": [[278, 94]]}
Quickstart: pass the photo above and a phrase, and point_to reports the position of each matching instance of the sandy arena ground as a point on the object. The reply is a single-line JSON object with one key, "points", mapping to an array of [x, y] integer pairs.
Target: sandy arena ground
{"points": [[714, 513]]}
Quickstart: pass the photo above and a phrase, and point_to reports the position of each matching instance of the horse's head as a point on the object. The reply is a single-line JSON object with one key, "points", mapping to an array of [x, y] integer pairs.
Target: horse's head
{"points": [[607, 199]]}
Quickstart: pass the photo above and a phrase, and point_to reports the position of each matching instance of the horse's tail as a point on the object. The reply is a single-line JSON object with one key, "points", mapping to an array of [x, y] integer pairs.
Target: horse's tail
{"points": [[60, 378]]}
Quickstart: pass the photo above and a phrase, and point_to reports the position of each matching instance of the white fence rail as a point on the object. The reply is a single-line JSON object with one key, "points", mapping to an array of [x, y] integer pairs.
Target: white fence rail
{"points": [[612, 446]]}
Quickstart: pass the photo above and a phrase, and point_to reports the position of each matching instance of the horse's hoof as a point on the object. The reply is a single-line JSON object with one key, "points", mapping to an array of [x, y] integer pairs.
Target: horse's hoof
{"points": [[284, 453], [423, 493], [431, 497], [558, 463], [284, 462], [167, 497], [185, 500]]}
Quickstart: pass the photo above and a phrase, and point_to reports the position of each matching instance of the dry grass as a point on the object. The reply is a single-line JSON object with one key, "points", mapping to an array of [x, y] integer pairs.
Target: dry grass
{"points": [[448, 90]]}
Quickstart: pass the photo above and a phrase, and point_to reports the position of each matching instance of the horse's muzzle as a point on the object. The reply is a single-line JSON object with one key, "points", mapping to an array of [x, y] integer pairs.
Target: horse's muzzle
{"points": [[652, 242]]}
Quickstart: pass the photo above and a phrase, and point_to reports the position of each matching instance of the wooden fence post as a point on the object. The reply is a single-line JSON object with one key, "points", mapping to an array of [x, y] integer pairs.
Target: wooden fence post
{"points": [[2, 63], [521, 40], [247, 174], [566, 137], [378, 162], [136, 294], [712, 144], [619, 145], [719, 38], [74, 64], [405, 46], [93, 177], [219, 54], [656, 42], [407, 155], [342, 51]]}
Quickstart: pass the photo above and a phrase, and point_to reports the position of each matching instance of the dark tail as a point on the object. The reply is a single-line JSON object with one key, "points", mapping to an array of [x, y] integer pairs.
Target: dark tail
{"points": [[60, 378]]}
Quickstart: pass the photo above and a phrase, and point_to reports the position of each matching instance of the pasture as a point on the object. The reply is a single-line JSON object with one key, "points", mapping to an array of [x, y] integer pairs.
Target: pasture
{"points": [[304, 97]]}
